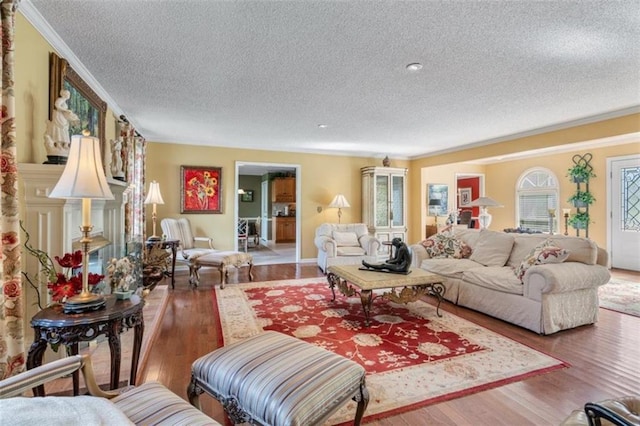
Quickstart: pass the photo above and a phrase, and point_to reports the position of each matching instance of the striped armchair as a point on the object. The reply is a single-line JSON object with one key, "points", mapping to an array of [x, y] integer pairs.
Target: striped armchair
{"points": [[148, 404], [190, 247]]}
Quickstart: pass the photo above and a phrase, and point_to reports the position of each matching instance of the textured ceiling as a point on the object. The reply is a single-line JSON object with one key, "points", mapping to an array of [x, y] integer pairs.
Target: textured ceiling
{"points": [[265, 74]]}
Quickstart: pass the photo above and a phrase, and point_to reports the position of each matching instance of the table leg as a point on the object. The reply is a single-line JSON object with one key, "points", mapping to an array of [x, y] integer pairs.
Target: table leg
{"points": [[137, 344], [332, 279], [223, 275], [366, 297], [34, 358], [174, 252], [114, 347], [250, 271], [438, 289], [73, 350]]}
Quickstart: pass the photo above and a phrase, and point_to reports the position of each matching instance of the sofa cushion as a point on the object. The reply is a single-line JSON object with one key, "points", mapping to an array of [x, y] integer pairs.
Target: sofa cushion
{"points": [[493, 248], [522, 246], [451, 268], [445, 245], [346, 239], [543, 253], [500, 278], [350, 251], [581, 250]]}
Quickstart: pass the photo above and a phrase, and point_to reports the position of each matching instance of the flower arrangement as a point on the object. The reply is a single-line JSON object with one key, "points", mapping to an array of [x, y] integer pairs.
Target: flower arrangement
{"points": [[61, 285], [120, 274]]}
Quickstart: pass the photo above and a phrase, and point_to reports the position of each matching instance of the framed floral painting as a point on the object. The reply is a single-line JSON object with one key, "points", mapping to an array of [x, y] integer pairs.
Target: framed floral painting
{"points": [[200, 189]]}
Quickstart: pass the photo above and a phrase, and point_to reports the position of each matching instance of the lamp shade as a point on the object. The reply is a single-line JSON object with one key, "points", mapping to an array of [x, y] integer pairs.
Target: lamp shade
{"points": [[154, 196], [339, 202], [484, 202], [83, 175]]}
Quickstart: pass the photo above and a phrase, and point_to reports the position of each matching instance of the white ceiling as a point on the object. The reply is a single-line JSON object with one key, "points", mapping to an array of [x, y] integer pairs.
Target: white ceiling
{"points": [[265, 74]]}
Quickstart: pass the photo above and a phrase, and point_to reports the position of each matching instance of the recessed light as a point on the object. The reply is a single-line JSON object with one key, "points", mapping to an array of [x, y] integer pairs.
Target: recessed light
{"points": [[322, 126], [414, 67]]}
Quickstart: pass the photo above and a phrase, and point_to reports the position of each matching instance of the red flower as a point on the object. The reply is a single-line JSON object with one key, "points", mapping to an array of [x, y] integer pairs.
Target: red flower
{"points": [[11, 289], [70, 260]]}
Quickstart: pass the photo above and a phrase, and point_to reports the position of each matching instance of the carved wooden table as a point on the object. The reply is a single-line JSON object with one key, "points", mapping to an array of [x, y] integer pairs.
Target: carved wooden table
{"points": [[351, 280], [52, 326], [168, 244]]}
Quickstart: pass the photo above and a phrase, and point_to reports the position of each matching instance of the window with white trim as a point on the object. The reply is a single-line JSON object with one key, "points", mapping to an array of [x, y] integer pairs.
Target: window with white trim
{"points": [[537, 194]]}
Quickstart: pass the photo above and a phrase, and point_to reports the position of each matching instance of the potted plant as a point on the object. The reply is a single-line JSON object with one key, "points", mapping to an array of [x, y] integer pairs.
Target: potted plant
{"points": [[581, 199], [579, 220], [580, 173]]}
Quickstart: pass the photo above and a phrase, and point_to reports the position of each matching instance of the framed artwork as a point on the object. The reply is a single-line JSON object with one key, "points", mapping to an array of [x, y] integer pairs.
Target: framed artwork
{"points": [[465, 196], [200, 189], [437, 199], [83, 101], [247, 197]]}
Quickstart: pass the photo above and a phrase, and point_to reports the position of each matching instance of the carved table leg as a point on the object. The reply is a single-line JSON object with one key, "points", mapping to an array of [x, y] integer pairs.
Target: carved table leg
{"points": [[250, 271], [174, 252], [332, 278], [223, 275], [366, 297], [73, 350], [114, 347], [34, 358], [137, 344], [194, 276], [438, 290]]}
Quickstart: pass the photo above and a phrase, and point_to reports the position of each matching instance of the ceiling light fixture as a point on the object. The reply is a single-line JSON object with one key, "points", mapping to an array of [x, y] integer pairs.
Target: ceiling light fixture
{"points": [[322, 126], [414, 67]]}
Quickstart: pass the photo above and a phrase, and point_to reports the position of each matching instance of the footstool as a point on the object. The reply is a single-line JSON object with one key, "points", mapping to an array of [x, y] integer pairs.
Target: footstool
{"points": [[221, 260], [275, 379]]}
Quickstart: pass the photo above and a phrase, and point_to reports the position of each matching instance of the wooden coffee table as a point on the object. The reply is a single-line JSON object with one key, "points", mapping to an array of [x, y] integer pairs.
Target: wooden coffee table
{"points": [[351, 280]]}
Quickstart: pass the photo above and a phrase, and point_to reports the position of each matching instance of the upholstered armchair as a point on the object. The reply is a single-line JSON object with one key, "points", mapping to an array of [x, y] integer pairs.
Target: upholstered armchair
{"points": [[190, 246], [345, 244]]}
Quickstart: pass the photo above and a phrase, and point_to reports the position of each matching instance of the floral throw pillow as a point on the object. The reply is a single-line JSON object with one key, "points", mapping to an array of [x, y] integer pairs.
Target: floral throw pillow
{"points": [[543, 253], [444, 246]]}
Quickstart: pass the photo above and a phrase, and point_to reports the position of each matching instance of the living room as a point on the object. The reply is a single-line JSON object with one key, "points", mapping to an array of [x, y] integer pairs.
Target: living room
{"points": [[502, 161]]}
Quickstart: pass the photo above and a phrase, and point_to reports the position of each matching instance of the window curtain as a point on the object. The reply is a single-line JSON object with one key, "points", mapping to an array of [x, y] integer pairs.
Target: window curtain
{"points": [[135, 154], [12, 355]]}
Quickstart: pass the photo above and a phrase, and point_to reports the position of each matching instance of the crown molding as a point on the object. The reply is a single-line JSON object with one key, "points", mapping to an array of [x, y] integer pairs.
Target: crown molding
{"points": [[31, 14]]}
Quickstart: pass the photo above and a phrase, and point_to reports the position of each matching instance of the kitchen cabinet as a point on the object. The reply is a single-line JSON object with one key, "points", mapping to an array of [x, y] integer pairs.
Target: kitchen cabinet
{"points": [[283, 190], [384, 203], [285, 229]]}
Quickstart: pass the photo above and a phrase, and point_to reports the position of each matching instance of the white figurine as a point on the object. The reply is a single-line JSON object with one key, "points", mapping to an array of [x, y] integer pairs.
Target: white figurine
{"points": [[56, 138], [116, 159]]}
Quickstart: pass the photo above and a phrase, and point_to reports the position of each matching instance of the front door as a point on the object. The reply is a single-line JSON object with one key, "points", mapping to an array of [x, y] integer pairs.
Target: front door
{"points": [[625, 213]]}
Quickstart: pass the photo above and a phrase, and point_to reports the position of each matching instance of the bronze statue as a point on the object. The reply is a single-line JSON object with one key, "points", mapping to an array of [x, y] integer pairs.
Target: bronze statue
{"points": [[400, 263]]}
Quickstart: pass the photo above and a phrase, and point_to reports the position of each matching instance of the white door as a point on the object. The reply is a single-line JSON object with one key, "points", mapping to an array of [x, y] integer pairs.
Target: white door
{"points": [[264, 211], [625, 213]]}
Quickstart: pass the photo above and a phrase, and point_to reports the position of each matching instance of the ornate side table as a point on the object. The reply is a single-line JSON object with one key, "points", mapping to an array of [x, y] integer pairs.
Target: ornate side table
{"points": [[168, 244], [52, 326]]}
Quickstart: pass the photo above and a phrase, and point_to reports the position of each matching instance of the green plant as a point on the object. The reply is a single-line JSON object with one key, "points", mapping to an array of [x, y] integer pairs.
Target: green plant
{"points": [[583, 197], [580, 173], [579, 220]]}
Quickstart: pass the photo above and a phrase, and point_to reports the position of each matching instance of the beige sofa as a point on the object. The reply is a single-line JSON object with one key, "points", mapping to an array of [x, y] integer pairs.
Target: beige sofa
{"points": [[345, 244], [552, 293]]}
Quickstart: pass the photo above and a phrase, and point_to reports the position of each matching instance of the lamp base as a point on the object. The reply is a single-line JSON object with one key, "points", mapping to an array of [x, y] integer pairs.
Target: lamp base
{"points": [[84, 302]]}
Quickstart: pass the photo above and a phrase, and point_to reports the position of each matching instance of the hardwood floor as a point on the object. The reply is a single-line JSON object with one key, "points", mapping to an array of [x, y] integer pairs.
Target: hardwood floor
{"points": [[604, 358]]}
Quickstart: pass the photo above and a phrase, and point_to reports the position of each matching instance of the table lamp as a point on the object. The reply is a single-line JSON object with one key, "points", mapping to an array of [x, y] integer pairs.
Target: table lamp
{"points": [[484, 218], [154, 197], [340, 203], [83, 178], [435, 203]]}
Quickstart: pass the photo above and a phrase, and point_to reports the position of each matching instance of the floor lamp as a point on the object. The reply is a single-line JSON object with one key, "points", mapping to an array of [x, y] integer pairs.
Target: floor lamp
{"points": [[340, 203], [484, 218], [83, 178], [154, 197]]}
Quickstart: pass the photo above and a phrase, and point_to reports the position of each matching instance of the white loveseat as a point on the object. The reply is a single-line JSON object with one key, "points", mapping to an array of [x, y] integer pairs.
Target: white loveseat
{"points": [[554, 292], [345, 244]]}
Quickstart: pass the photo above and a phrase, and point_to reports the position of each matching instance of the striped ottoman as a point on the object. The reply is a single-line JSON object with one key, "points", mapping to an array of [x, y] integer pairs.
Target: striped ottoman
{"points": [[275, 379]]}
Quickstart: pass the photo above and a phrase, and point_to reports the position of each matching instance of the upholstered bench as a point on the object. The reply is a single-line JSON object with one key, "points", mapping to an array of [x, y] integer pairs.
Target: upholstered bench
{"points": [[221, 260], [275, 379]]}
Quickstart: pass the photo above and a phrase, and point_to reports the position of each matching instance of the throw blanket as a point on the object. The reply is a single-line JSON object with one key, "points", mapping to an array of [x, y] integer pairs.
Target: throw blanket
{"points": [[61, 410]]}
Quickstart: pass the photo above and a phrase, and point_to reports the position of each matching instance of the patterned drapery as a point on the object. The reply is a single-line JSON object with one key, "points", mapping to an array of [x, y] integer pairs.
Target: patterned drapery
{"points": [[12, 355]]}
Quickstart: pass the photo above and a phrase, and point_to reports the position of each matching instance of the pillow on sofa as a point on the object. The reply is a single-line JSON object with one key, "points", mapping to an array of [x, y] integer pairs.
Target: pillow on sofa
{"points": [[493, 248], [543, 253], [346, 239], [444, 246]]}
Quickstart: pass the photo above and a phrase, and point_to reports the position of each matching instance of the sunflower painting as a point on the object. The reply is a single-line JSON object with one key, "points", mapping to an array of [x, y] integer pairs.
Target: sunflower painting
{"points": [[200, 189]]}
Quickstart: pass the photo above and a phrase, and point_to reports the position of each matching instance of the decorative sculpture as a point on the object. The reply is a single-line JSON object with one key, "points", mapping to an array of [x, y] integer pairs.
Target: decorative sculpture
{"points": [[399, 264], [117, 170], [56, 138]]}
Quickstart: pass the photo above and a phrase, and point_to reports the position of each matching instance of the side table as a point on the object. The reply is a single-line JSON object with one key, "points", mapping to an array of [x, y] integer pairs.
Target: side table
{"points": [[52, 326], [168, 244]]}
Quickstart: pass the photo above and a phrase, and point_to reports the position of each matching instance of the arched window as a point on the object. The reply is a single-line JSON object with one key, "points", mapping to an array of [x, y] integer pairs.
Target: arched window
{"points": [[537, 194]]}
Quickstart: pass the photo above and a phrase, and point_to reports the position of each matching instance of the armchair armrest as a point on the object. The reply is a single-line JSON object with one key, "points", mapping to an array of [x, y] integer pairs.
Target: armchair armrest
{"points": [[18, 384], [370, 244], [418, 254], [207, 240], [327, 245]]}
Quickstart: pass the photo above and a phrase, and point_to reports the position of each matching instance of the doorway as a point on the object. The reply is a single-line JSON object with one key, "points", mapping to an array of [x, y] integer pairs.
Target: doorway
{"points": [[623, 201], [259, 180]]}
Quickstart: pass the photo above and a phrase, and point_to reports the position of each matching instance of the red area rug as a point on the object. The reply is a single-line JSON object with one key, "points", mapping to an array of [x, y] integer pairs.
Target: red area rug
{"points": [[412, 357]]}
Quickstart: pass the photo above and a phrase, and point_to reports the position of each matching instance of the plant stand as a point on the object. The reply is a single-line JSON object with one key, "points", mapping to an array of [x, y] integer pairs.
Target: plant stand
{"points": [[583, 161]]}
